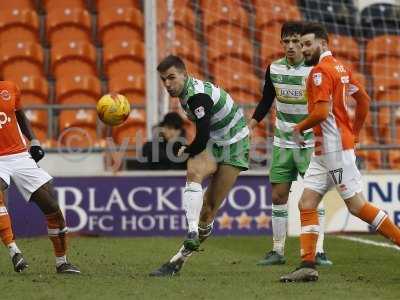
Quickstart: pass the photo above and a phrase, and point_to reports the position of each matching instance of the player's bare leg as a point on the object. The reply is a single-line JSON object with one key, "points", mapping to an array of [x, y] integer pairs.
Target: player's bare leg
{"points": [[45, 199], [7, 235], [221, 183]]}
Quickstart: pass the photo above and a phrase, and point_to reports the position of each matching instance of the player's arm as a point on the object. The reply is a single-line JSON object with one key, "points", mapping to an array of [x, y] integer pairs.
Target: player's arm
{"points": [[357, 91], [35, 149], [318, 115], [319, 91], [200, 105], [266, 101]]}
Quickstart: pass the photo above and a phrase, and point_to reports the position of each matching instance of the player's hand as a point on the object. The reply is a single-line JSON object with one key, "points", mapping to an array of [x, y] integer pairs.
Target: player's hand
{"points": [[298, 137], [36, 150], [181, 150]]}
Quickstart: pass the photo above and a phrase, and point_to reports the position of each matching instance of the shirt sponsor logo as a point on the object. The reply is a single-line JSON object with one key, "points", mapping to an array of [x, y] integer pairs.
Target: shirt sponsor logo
{"points": [[317, 78], [5, 95]]}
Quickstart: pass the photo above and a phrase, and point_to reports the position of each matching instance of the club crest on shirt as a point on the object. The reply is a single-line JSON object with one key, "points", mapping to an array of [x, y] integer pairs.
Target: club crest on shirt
{"points": [[199, 112], [5, 95], [317, 78]]}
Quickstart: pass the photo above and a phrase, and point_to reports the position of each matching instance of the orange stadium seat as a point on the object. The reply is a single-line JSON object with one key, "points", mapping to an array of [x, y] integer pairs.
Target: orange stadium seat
{"points": [[37, 117], [386, 75], [103, 5], [17, 4], [346, 49], [383, 46], [83, 122], [133, 130], [50, 5], [270, 12], [68, 24], [371, 159], [225, 66], [183, 43], [120, 24], [131, 85], [232, 42], [271, 48], [21, 58], [218, 13], [360, 78], [34, 89], [22, 25], [123, 55], [194, 69], [73, 58], [389, 95], [77, 89], [184, 17], [234, 82]]}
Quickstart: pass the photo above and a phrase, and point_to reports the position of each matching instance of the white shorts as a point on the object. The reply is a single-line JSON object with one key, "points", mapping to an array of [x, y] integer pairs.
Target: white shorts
{"points": [[24, 171], [334, 169]]}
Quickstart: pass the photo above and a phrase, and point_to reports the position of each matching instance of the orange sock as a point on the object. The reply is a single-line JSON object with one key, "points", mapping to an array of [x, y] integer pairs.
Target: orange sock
{"points": [[57, 232], [6, 233], [380, 221], [309, 234]]}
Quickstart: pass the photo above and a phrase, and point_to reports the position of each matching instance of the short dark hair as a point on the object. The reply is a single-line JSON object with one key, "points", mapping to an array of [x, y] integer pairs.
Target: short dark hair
{"points": [[172, 119], [317, 28], [291, 28], [171, 61]]}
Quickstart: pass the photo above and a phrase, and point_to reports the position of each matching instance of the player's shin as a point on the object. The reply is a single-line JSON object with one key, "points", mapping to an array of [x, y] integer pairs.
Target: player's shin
{"points": [[57, 233], [321, 235], [308, 235], [380, 221], [6, 233], [192, 204], [279, 227]]}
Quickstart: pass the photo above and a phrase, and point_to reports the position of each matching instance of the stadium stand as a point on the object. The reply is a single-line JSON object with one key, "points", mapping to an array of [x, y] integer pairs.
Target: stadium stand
{"points": [[68, 52]]}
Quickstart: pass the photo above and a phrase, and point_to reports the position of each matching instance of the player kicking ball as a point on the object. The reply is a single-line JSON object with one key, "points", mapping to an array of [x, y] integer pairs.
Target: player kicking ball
{"points": [[333, 162], [220, 150], [33, 182]]}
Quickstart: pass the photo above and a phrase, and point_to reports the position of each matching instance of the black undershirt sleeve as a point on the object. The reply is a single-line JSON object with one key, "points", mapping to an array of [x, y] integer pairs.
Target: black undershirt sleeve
{"points": [[200, 105], [267, 99]]}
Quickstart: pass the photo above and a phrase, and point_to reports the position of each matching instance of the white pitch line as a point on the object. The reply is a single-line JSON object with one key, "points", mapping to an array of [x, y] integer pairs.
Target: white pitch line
{"points": [[368, 242]]}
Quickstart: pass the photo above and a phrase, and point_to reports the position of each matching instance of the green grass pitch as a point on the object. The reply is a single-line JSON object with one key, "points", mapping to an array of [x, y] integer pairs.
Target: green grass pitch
{"points": [[117, 268]]}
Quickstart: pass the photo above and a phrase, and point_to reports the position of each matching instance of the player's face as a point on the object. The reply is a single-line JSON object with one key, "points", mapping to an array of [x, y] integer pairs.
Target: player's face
{"points": [[311, 48], [174, 81], [292, 47], [170, 133]]}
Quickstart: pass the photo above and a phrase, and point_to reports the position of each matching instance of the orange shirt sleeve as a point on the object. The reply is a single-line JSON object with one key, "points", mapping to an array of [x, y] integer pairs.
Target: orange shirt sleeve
{"points": [[320, 86], [18, 104]]}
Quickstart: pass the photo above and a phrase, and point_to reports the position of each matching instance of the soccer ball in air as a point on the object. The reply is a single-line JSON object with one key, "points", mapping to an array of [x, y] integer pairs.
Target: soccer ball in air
{"points": [[113, 109]]}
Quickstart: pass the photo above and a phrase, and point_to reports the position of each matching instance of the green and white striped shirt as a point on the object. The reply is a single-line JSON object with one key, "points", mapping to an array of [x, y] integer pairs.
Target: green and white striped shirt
{"points": [[228, 124], [291, 106]]}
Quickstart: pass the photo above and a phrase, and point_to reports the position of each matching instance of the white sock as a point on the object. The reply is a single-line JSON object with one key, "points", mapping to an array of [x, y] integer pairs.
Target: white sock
{"points": [[13, 249], [60, 260], [182, 254], [192, 204], [321, 220], [279, 227]]}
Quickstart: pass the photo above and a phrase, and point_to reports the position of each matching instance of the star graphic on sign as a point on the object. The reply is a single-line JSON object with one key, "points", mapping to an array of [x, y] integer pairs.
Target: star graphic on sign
{"points": [[263, 221], [225, 221], [244, 221]]}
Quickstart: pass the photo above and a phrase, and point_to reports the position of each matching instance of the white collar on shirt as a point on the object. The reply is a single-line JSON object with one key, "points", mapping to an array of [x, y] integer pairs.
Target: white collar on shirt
{"points": [[325, 54]]}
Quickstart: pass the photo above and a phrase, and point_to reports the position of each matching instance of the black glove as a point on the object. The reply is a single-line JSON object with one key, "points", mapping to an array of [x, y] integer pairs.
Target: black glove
{"points": [[36, 150]]}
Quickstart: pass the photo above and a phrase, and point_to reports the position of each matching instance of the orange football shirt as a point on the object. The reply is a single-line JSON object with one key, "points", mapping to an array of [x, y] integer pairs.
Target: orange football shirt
{"points": [[11, 139], [331, 82]]}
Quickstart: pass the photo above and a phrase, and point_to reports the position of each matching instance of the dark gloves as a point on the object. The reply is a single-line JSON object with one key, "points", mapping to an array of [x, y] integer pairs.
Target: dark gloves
{"points": [[36, 150]]}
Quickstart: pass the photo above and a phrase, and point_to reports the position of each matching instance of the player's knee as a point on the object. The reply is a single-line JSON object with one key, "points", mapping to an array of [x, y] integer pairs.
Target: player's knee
{"points": [[279, 198]]}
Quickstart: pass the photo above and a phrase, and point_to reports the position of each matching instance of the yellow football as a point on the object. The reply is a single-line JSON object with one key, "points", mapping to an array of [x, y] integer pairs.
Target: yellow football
{"points": [[113, 109]]}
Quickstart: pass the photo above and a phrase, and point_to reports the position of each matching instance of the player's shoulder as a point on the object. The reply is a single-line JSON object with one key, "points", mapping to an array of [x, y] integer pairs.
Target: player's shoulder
{"points": [[7, 84], [279, 62]]}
